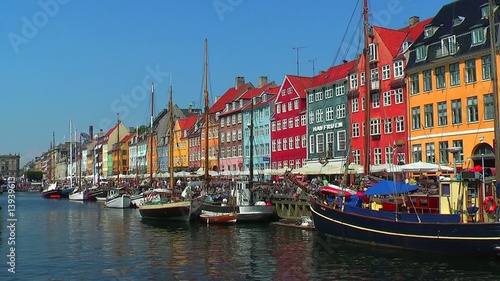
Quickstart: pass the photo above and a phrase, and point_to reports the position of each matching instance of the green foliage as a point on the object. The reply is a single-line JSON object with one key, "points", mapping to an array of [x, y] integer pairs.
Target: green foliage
{"points": [[34, 175]]}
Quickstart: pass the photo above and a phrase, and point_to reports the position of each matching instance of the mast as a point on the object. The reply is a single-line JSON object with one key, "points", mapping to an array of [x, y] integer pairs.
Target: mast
{"points": [[151, 135], [494, 75], [119, 149], [366, 103], [171, 141], [70, 155], [137, 156], [205, 91], [250, 181]]}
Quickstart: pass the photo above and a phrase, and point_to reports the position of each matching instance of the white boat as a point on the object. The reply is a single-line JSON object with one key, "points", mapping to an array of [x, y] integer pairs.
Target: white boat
{"points": [[117, 199], [79, 195], [137, 200]]}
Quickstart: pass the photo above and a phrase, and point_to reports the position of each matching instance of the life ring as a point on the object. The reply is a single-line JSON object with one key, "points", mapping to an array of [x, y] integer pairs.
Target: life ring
{"points": [[490, 209]]}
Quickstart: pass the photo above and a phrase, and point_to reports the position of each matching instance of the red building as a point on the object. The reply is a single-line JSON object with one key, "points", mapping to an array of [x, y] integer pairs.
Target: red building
{"points": [[290, 103], [387, 127]]}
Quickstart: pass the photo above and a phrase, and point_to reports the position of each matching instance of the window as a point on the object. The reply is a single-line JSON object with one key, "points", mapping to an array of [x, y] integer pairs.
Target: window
{"points": [[278, 108], [303, 120], [233, 119], [240, 150], [486, 67], [429, 115], [311, 98], [355, 105], [362, 78], [340, 111], [485, 10], [285, 142], [387, 98], [319, 96], [430, 153], [289, 91], [283, 107], [373, 52], [442, 114], [353, 79], [477, 36], [239, 134], [488, 106], [389, 159], [233, 133], [279, 144], [311, 117], [222, 122], [311, 144], [398, 96], [297, 142], [421, 53], [454, 74], [320, 143], [283, 124], [400, 124], [377, 156], [297, 123], [296, 104], [427, 80], [329, 142], [290, 123], [222, 137], [415, 87], [448, 46], [440, 79], [415, 116], [386, 72], [304, 141], [456, 111], [356, 155], [376, 100], [355, 130], [417, 153], [319, 115], [273, 143], [340, 89], [329, 113], [228, 136], [398, 69], [429, 30], [472, 110], [240, 117], [460, 155], [374, 127], [341, 140], [443, 152], [470, 71], [278, 125], [273, 126], [290, 107], [388, 126], [329, 92]]}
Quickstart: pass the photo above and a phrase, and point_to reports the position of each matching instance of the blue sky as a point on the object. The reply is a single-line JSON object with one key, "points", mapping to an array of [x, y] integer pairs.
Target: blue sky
{"points": [[88, 60]]}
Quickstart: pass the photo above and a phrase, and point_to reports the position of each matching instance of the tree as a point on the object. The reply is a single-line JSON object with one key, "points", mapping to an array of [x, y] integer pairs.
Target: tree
{"points": [[34, 175]]}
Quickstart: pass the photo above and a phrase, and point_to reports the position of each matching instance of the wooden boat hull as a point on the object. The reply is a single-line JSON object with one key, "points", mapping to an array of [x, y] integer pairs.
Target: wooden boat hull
{"points": [[376, 228], [51, 194], [174, 211], [218, 218], [255, 213]]}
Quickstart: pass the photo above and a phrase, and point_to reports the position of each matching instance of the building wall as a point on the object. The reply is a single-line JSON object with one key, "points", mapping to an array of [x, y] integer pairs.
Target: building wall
{"points": [[231, 151], [10, 165]]}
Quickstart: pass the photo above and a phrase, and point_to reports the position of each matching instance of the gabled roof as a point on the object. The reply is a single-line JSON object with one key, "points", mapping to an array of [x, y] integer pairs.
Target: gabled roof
{"points": [[110, 131], [298, 83], [392, 39], [230, 95], [187, 123], [333, 74], [255, 92]]}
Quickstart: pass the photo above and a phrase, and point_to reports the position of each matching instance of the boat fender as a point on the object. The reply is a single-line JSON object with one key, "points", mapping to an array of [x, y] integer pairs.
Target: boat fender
{"points": [[490, 208]]}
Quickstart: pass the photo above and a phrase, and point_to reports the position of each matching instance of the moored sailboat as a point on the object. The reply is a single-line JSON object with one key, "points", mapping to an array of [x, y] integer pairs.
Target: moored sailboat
{"points": [[414, 221]]}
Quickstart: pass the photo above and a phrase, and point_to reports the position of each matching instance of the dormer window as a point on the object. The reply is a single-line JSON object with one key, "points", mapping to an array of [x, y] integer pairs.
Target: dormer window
{"points": [[234, 105], [241, 103], [227, 106], [477, 36], [405, 46], [458, 20], [264, 97], [485, 11], [373, 50], [421, 52], [429, 30], [448, 46]]}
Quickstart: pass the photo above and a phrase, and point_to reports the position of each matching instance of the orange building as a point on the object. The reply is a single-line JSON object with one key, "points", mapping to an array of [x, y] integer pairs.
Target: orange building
{"points": [[450, 89]]}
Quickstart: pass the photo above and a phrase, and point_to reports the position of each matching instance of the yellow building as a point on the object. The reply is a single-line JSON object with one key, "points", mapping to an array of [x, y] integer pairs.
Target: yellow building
{"points": [[181, 141], [213, 146], [450, 106], [120, 156]]}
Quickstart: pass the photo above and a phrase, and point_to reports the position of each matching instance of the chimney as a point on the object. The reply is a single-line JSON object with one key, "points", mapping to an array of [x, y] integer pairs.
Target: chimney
{"points": [[413, 20], [101, 133], [91, 132], [321, 72], [262, 81], [190, 109], [238, 82]]}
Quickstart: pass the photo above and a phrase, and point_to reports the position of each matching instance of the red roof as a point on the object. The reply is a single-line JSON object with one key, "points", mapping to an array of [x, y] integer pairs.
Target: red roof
{"points": [[333, 74], [300, 84], [230, 95], [110, 131], [255, 92], [187, 123], [128, 137], [416, 30], [393, 39]]}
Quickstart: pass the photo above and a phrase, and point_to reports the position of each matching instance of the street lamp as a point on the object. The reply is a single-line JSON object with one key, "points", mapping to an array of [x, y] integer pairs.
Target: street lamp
{"points": [[454, 150]]}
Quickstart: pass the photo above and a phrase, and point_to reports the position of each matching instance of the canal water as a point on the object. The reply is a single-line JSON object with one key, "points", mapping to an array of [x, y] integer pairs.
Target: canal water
{"points": [[63, 240]]}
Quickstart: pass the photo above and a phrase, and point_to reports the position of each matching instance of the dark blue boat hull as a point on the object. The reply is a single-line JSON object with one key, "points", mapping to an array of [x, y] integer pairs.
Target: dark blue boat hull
{"points": [[451, 238]]}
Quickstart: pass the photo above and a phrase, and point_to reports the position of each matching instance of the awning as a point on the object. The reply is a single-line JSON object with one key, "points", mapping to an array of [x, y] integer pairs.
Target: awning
{"points": [[386, 187]]}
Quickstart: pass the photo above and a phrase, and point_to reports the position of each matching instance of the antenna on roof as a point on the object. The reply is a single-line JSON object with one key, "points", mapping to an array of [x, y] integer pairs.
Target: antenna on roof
{"points": [[297, 49], [313, 60]]}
